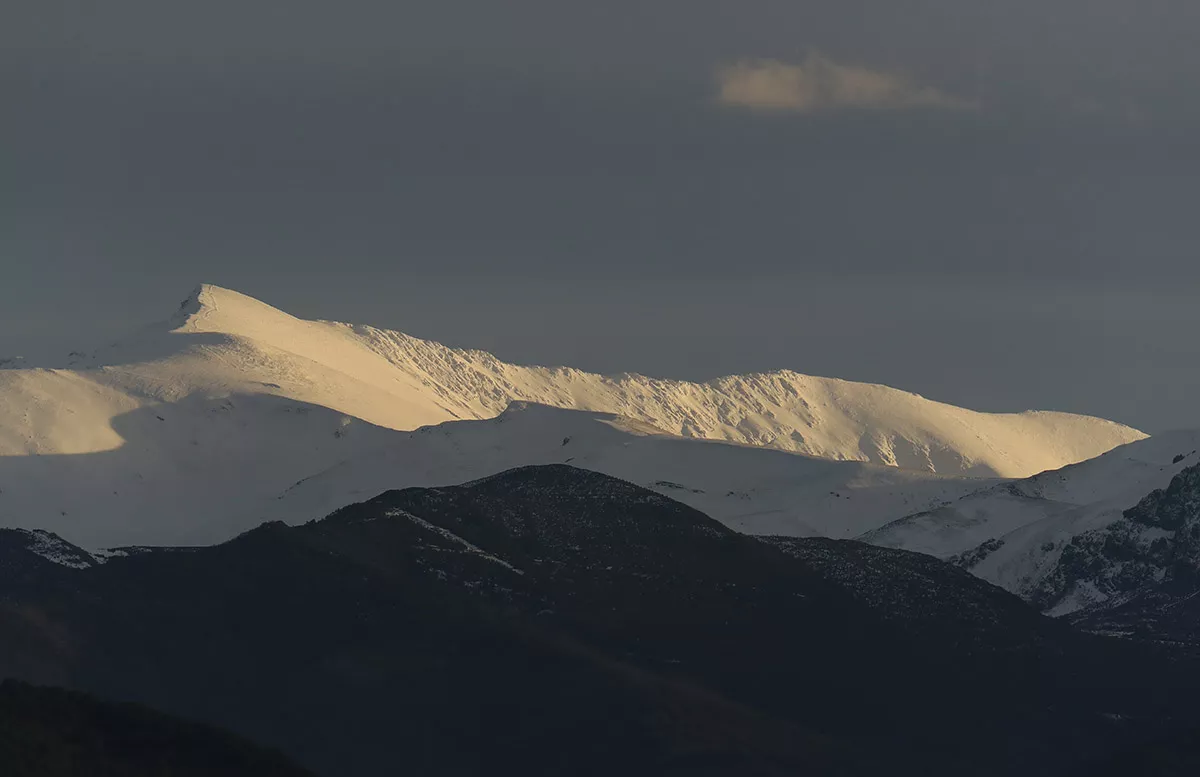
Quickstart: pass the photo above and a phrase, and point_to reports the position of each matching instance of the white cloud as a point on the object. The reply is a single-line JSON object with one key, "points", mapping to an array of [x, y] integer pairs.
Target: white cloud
{"points": [[819, 84]]}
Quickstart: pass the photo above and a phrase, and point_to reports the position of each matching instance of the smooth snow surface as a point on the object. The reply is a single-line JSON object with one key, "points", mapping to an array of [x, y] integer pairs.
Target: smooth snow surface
{"points": [[752, 490], [188, 431]]}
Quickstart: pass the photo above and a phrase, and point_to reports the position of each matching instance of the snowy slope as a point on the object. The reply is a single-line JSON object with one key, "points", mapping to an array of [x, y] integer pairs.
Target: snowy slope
{"points": [[222, 342], [752, 490], [1013, 534], [155, 438], [428, 383]]}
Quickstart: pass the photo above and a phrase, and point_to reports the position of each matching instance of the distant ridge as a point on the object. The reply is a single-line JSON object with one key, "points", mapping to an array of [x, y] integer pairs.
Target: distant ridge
{"points": [[824, 417], [230, 402]]}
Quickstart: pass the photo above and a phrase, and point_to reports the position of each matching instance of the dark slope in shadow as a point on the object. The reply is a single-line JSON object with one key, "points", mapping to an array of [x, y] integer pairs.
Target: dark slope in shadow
{"points": [[50, 732], [551, 620]]}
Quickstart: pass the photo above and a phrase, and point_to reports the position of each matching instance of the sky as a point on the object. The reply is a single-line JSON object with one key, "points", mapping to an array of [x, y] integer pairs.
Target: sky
{"points": [[988, 204]]}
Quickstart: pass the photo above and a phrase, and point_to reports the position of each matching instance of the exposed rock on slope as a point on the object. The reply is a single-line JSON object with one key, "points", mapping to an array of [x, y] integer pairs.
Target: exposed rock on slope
{"points": [[1015, 534], [1140, 572]]}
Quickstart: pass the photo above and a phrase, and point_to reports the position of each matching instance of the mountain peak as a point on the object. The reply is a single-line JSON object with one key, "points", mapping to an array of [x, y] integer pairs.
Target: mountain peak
{"points": [[200, 297], [211, 308]]}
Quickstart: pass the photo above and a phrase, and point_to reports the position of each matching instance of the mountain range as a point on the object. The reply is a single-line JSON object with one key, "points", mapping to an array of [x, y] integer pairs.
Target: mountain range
{"points": [[364, 549], [188, 431], [552, 620]]}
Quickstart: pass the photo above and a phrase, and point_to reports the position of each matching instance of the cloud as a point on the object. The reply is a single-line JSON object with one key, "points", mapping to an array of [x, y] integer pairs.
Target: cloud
{"points": [[819, 84]]}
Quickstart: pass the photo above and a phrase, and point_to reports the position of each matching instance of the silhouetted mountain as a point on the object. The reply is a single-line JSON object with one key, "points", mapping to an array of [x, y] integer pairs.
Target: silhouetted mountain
{"points": [[552, 620]]}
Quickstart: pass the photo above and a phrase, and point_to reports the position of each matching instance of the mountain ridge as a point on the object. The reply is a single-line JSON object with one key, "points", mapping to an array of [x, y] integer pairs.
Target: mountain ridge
{"points": [[232, 395], [826, 417]]}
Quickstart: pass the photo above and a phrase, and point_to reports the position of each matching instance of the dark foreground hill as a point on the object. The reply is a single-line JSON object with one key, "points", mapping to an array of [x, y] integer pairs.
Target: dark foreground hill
{"points": [[49, 732], [550, 620]]}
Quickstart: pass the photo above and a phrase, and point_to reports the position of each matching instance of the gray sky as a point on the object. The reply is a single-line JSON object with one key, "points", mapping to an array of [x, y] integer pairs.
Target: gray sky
{"points": [[993, 204]]}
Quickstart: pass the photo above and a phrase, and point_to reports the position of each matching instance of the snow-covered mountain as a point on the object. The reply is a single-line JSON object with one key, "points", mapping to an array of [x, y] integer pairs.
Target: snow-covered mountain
{"points": [[1014, 534], [1152, 551], [187, 430], [752, 490]]}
